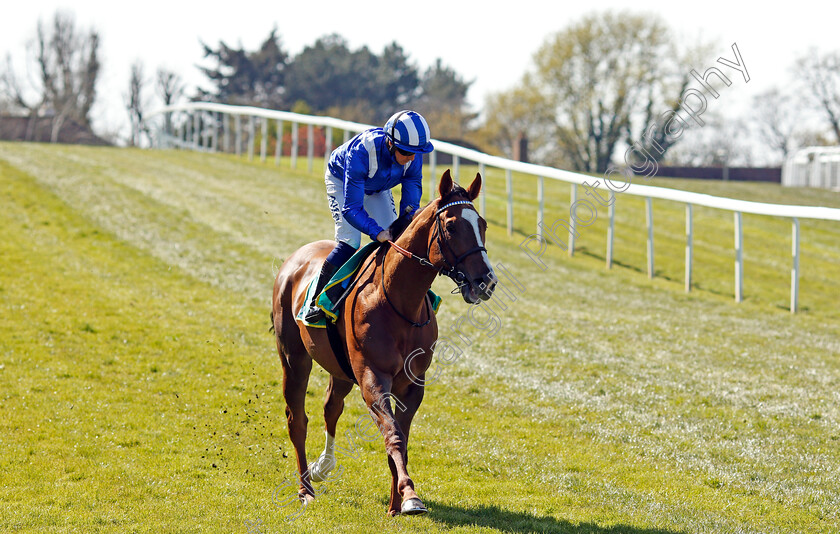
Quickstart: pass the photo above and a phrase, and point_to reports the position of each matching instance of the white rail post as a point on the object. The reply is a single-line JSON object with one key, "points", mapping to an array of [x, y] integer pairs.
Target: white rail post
{"points": [[310, 146], [541, 204], [794, 273], [649, 218], [739, 258], [278, 146], [208, 118], [226, 132], [432, 174], [264, 140], [237, 122], [689, 245], [346, 136], [167, 124], [205, 131], [251, 136], [188, 136], [196, 129], [572, 221], [482, 199], [294, 144], [509, 187], [456, 167], [327, 144], [216, 118], [610, 235]]}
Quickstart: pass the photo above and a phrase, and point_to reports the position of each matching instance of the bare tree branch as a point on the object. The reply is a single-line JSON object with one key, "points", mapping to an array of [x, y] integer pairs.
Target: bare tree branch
{"points": [[821, 77], [67, 68], [169, 88], [135, 105], [775, 120]]}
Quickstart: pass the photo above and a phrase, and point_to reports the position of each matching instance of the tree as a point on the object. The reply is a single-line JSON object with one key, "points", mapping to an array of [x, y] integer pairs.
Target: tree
{"points": [[520, 111], [604, 79], [776, 120], [663, 101], [396, 81], [330, 76], [135, 104], [169, 88], [247, 78], [67, 63], [442, 101], [821, 78], [722, 142], [322, 74]]}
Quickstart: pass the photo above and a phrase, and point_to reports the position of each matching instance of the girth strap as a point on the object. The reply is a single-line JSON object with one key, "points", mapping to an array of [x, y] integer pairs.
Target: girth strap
{"points": [[339, 350]]}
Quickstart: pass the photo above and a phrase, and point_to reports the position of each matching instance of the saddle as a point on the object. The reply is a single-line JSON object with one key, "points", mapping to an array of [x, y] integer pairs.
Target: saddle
{"points": [[337, 287]]}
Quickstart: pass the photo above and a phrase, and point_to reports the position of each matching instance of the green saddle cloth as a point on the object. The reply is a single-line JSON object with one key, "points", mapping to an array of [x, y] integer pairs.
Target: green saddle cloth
{"points": [[344, 277]]}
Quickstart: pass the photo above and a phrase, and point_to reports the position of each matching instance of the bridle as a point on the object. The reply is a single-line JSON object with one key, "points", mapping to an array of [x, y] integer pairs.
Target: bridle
{"points": [[450, 270]]}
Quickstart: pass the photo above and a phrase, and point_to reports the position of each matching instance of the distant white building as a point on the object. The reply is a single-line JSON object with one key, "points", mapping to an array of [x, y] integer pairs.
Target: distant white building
{"points": [[816, 166]]}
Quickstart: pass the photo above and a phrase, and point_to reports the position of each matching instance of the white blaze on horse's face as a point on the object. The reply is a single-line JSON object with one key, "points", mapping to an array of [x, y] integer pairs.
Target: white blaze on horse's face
{"points": [[472, 217]]}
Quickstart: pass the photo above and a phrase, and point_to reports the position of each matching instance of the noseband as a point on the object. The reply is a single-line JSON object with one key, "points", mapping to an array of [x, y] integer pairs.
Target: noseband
{"points": [[451, 269]]}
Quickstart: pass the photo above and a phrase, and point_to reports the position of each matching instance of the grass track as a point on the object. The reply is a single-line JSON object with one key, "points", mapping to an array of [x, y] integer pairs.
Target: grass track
{"points": [[140, 390]]}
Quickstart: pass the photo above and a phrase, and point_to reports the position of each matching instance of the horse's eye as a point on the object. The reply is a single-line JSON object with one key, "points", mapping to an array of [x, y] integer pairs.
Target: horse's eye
{"points": [[450, 226]]}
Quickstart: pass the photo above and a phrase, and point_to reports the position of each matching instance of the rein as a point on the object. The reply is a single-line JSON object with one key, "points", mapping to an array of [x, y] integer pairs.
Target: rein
{"points": [[451, 270]]}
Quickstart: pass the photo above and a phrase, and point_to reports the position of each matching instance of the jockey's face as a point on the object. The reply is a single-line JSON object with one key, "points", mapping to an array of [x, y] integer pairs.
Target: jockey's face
{"points": [[401, 156], [402, 160]]}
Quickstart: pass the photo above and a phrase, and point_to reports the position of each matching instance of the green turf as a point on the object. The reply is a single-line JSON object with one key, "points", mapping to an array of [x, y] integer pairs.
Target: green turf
{"points": [[140, 388]]}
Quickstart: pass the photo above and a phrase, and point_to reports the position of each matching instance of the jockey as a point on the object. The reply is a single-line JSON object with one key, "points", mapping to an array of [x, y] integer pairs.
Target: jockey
{"points": [[359, 178]]}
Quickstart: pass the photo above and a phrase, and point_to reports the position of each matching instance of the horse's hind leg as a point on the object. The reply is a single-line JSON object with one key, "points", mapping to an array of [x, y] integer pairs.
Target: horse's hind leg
{"points": [[296, 369], [333, 406]]}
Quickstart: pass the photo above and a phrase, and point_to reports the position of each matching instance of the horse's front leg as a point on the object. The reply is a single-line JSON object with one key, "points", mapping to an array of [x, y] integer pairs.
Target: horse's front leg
{"points": [[405, 410], [376, 390]]}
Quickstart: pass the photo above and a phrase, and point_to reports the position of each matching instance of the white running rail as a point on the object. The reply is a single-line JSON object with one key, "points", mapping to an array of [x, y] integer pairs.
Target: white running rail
{"points": [[201, 123]]}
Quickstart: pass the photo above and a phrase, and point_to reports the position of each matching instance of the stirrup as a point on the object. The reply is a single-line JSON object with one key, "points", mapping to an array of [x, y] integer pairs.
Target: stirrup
{"points": [[314, 314]]}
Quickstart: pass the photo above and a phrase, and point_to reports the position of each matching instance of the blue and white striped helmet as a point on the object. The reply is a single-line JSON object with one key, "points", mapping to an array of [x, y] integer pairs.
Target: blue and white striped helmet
{"points": [[408, 130]]}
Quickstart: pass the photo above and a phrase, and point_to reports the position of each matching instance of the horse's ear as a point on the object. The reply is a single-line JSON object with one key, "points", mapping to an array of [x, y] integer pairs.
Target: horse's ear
{"points": [[475, 187], [445, 184]]}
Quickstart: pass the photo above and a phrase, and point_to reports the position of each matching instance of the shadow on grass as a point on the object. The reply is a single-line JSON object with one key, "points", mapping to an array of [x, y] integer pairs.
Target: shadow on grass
{"points": [[517, 522]]}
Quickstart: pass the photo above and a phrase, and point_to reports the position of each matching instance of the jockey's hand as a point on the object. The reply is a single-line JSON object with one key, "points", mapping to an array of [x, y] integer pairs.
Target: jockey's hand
{"points": [[384, 236]]}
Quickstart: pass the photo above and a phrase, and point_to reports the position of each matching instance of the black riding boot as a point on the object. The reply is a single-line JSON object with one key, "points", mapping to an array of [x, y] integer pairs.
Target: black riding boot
{"points": [[314, 313]]}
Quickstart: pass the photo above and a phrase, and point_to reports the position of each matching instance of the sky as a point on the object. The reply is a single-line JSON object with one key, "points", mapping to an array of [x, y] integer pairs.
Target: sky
{"points": [[489, 43]]}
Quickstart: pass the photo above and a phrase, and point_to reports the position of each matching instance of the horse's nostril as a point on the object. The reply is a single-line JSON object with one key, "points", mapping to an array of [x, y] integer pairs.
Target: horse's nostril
{"points": [[486, 284]]}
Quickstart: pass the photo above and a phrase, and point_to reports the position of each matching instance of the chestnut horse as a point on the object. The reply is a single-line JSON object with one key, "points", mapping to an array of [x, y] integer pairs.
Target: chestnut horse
{"points": [[384, 318]]}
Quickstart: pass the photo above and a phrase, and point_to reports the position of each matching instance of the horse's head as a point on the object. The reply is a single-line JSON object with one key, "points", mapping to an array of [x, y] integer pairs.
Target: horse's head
{"points": [[456, 242]]}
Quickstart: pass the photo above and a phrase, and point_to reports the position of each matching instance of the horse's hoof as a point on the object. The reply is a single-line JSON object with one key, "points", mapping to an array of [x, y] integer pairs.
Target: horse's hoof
{"points": [[306, 498], [413, 507]]}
